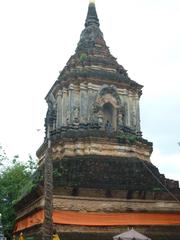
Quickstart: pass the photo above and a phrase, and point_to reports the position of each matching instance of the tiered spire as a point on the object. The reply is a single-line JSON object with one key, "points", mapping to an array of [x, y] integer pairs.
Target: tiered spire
{"points": [[92, 51], [92, 18]]}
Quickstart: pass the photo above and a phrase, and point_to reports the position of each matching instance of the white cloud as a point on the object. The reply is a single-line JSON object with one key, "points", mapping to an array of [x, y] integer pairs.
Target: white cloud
{"points": [[167, 164]]}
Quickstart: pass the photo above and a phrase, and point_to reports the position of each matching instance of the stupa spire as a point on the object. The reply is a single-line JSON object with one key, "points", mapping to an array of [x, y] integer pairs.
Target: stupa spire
{"points": [[92, 18]]}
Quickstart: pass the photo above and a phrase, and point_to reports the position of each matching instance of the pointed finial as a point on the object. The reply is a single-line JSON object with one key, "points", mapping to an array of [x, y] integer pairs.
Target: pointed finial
{"points": [[92, 18]]}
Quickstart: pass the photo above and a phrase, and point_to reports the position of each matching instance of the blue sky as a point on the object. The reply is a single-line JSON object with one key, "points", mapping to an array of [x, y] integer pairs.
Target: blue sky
{"points": [[39, 36]]}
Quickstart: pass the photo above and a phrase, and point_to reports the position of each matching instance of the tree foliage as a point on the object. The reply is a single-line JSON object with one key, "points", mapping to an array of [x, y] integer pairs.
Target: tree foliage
{"points": [[14, 175]]}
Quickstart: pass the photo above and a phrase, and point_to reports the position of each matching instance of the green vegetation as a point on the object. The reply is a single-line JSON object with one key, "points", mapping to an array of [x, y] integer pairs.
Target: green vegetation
{"points": [[127, 138], [130, 138], [14, 177], [83, 57]]}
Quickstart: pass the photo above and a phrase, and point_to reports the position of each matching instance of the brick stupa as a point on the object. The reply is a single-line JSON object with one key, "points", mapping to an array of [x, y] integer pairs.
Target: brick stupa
{"points": [[103, 179]]}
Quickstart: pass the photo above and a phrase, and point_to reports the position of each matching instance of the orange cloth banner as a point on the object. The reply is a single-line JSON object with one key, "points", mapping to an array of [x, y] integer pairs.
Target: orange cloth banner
{"points": [[34, 219], [100, 219], [115, 219]]}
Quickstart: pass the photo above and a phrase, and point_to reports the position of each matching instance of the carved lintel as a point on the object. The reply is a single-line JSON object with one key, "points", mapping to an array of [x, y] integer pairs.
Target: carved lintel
{"points": [[64, 90], [83, 86], [71, 86], [90, 86], [60, 93]]}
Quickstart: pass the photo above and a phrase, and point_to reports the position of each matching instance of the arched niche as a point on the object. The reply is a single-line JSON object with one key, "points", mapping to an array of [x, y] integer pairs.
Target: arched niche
{"points": [[109, 116], [107, 107], [111, 90]]}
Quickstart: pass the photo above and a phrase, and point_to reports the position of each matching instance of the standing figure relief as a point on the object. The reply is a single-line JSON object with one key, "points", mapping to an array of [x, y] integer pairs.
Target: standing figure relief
{"points": [[76, 114]]}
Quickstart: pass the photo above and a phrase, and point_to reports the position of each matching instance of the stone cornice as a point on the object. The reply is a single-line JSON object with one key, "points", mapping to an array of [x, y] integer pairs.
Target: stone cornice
{"points": [[121, 86], [88, 142]]}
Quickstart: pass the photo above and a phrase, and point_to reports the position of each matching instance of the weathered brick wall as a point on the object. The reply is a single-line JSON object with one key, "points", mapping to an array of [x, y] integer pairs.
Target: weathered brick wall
{"points": [[85, 204], [106, 173]]}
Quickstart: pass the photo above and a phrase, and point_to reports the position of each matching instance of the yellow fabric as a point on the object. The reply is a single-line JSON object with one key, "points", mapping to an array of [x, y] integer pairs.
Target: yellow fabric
{"points": [[55, 237], [21, 237]]}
